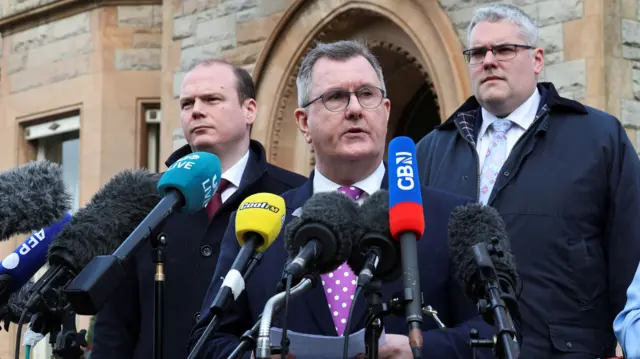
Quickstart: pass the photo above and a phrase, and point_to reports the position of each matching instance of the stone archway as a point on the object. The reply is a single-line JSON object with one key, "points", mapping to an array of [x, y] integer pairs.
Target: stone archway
{"points": [[415, 42]]}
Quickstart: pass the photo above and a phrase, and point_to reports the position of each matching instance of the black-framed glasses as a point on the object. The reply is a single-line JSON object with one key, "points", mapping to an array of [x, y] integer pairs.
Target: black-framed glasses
{"points": [[336, 100], [502, 52]]}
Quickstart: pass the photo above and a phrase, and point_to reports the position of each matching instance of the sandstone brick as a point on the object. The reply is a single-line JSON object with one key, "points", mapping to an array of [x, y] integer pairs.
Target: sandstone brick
{"points": [[178, 77], [630, 33], [196, 6], [143, 16], [192, 55], [188, 42], [228, 7], [178, 139], [52, 73], [272, 6], [60, 50], [48, 33], [635, 76], [256, 30], [183, 27], [569, 76], [218, 29], [22, 5], [551, 38], [16, 62], [554, 11], [147, 40], [553, 58], [452, 5], [630, 113], [243, 55], [138, 59]]}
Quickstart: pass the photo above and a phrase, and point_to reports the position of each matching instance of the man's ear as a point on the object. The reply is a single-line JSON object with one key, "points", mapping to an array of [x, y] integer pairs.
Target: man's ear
{"points": [[302, 120], [250, 109]]}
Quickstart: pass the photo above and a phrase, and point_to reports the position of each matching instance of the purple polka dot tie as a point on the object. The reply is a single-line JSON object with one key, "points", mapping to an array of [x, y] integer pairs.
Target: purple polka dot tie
{"points": [[340, 285]]}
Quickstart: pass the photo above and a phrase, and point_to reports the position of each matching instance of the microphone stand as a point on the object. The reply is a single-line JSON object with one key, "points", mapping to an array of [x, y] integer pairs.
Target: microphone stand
{"points": [[272, 307], [493, 301], [158, 244], [64, 338], [255, 259], [378, 309]]}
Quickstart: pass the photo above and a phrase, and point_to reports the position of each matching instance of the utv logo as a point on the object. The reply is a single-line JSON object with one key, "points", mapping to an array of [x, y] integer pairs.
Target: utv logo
{"points": [[263, 205]]}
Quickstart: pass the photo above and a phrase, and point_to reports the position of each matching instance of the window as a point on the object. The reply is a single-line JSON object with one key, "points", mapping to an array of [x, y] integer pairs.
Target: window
{"points": [[57, 141], [151, 138]]}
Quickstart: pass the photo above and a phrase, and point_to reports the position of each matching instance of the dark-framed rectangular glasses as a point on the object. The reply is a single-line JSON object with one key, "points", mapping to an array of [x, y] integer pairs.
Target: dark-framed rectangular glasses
{"points": [[502, 52], [335, 100]]}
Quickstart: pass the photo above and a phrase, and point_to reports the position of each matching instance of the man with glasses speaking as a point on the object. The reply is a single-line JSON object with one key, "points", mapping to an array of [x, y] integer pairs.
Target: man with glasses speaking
{"points": [[563, 175]]}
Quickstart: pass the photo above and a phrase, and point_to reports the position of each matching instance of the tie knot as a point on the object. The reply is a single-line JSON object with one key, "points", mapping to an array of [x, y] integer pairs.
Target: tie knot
{"points": [[502, 125], [224, 183], [352, 191]]}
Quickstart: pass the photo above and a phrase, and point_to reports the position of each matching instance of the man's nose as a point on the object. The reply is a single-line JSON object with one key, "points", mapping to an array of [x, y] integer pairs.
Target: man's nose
{"points": [[489, 60], [354, 109]]}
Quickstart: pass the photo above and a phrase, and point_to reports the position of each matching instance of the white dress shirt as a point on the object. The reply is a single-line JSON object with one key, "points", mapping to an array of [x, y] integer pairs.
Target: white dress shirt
{"points": [[522, 118], [234, 176], [368, 185]]}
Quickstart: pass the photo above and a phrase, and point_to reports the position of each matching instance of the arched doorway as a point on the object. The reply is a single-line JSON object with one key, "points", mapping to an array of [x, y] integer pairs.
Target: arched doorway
{"points": [[416, 46]]}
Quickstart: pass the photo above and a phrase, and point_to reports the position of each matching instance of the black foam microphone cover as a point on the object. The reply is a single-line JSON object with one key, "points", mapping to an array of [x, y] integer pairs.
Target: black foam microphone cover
{"points": [[106, 221], [469, 225], [374, 223], [332, 219], [32, 196]]}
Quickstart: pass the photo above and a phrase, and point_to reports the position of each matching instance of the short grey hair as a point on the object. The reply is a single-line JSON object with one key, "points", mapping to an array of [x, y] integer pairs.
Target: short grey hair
{"points": [[339, 50], [511, 13]]}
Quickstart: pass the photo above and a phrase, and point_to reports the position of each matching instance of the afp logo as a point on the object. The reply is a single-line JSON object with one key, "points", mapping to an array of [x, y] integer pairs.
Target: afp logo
{"points": [[404, 171], [261, 205]]}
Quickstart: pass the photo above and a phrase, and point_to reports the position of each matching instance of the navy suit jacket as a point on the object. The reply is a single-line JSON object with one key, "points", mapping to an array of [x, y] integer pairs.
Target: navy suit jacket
{"points": [[309, 313]]}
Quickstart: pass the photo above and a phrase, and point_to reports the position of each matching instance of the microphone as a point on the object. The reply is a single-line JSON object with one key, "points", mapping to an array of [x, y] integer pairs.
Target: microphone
{"points": [[258, 223], [32, 196], [486, 268], [375, 254], [186, 187], [406, 221], [321, 239], [96, 229], [27, 259], [13, 308]]}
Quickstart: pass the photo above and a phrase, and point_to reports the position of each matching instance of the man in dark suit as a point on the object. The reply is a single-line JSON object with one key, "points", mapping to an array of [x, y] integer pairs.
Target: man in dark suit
{"points": [[343, 114], [218, 108]]}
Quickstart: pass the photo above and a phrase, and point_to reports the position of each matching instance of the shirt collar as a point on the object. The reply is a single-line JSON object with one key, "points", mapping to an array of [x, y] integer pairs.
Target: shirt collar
{"points": [[234, 174], [523, 116], [369, 185]]}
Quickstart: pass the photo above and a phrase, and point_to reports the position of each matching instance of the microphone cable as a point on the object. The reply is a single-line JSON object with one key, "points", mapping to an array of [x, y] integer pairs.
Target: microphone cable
{"points": [[347, 331], [284, 342], [19, 334]]}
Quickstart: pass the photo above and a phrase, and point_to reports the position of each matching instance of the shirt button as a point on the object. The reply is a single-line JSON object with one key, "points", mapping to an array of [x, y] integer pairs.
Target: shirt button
{"points": [[569, 345], [206, 251], [506, 173], [196, 316]]}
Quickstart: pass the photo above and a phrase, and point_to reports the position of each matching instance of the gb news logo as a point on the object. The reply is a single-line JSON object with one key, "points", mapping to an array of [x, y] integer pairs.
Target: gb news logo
{"points": [[13, 260], [260, 205], [404, 162]]}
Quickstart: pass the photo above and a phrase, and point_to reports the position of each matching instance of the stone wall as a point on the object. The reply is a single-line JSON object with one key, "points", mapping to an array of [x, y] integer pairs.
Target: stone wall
{"points": [[233, 30], [49, 53], [552, 16], [625, 51], [15, 6], [141, 29]]}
